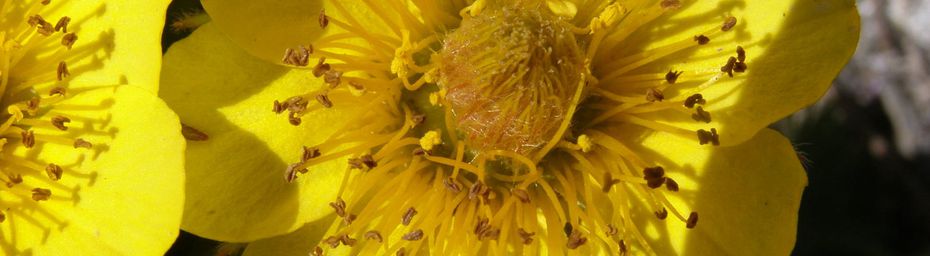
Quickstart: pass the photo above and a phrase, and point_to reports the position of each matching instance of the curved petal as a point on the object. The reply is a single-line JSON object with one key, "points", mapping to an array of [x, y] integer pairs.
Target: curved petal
{"points": [[300, 242], [114, 37], [237, 189], [794, 50], [747, 196], [122, 197]]}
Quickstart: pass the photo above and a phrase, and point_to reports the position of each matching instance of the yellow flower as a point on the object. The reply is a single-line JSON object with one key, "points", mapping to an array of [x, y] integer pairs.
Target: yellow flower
{"points": [[479, 127], [91, 161]]}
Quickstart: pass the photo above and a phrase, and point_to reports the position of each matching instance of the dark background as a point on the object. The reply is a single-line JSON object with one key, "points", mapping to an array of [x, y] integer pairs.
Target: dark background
{"points": [[866, 143]]}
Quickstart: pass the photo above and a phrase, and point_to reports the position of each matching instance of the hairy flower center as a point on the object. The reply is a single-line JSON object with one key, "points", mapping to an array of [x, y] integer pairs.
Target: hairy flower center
{"points": [[510, 76]]}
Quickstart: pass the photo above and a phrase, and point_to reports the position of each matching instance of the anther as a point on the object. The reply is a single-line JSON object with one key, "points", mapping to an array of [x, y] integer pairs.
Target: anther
{"points": [[526, 236], [415, 235], [60, 121], [33, 104], [57, 91], [654, 176], [452, 185], [401, 252], [290, 174], [671, 185], [408, 216], [708, 137], [701, 39], [68, 40], [740, 54], [623, 248], [477, 189], [522, 195], [41, 194], [728, 24], [694, 99], [279, 107], [321, 67], [317, 251], [296, 104], [576, 240], [29, 138], [323, 19], [611, 230], [293, 119], [340, 206], [309, 153], [62, 24], [672, 76], [728, 68], [346, 240], [53, 171], [661, 214], [62, 71], [670, 4], [609, 182], [692, 220], [418, 119], [324, 100], [363, 161], [2, 217], [46, 2], [700, 115], [654, 94], [192, 134], [332, 241], [14, 179], [373, 235], [81, 143], [349, 219], [299, 57], [332, 78]]}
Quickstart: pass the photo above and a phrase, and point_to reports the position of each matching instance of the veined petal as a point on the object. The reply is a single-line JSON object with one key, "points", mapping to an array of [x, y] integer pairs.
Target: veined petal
{"points": [[123, 196], [237, 189], [747, 195], [794, 50]]}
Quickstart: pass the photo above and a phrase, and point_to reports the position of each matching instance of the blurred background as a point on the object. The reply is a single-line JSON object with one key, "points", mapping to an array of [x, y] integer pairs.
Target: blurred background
{"points": [[866, 144]]}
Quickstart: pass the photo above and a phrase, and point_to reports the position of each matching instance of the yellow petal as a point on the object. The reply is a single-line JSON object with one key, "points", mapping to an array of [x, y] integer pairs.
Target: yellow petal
{"points": [[297, 243], [746, 196], [794, 51], [118, 41], [123, 197], [237, 189]]}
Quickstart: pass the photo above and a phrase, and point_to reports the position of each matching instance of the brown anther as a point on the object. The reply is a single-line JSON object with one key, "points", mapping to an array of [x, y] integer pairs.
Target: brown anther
{"points": [[290, 174], [670, 4], [408, 216], [14, 179], [46, 2], [654, 94], [481, 226], [661, 214], [293, 119], [321, 67], [2, 217], [349, 219], [296, 104], [309, 153], [671, 185], [526, 236], [62, 71], [68, 40], [415, 235], [522, 195], [728, 24], [694, 99], [29, 138], [418, 119], [692, 220], [740, 67], [609, 182], [324, 100], [299, 57], [57, 91], [44, 27], [705, 137], [279, 107], [401, 252], [740, 54], [35, 20], [60, 121], [373, 235], [356, 86], [81, 143], [728, 68], [477, 189], [333, 78], [701, 39], [33, 104], [611, 230], [452, 185], [340, 206], [62, 24], [332, 241], [53, 171], [362, 162], [41, 194], [576, 240], [346, 240], [192, 134], [672, 76], [323, 19], [654, 176], [567, 228], [419, 152], [623, 248], [317, 251], [700, 115]]}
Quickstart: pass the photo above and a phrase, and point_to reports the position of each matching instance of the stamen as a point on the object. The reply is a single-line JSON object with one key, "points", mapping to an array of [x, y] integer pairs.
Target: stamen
{"points": [[672, 76], [60, 121], [373, 235], [708, 137], [576, 240], [340, 206], [414, 235], [408, 216], [701, 115], [323, 19], [654, 94], [81, 143], [62, 71], [324, 100], [694, 99], [692, 220], [29, 138], [53, 171], [671, 185], [728, 24], [192, 134], [702, 39], [68, 40], [62, 24], [41, 194], [526, 236]]}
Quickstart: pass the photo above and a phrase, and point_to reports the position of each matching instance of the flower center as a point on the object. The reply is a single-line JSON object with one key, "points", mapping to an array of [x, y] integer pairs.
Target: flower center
{"points": [[510, 76]]}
